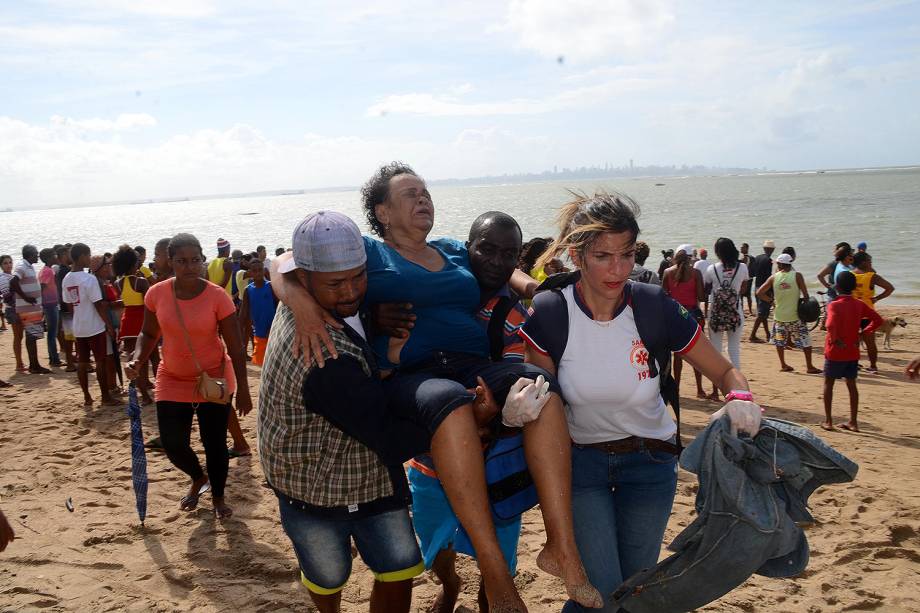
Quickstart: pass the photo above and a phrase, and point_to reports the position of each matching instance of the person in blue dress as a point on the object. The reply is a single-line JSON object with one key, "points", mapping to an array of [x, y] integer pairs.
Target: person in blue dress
{"points": [[446, 354]]}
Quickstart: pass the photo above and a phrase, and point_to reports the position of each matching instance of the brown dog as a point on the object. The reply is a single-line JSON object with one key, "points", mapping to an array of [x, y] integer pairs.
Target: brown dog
{"points": [[888, 327]]}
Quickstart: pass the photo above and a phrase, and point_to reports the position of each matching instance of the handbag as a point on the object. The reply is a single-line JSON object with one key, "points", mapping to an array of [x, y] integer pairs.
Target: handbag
{"points": [[212, 389], [510, 486]]}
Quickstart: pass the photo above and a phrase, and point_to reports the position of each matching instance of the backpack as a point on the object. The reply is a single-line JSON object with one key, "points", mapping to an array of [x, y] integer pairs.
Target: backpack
{"points": [[648, 303], [723, 313]]}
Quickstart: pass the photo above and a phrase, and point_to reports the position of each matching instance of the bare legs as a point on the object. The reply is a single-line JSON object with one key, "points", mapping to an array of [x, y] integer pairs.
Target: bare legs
{"points": [[240, 446], [549, 458], [871, 349], [143, 381], [83, 378], [444, 568], [851, 425], [390, 597], [457, 455], [17, 344], [678, 368], [784, 367]]}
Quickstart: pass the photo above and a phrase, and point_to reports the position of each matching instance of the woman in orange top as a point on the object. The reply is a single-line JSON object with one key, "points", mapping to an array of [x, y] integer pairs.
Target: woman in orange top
{"points": [[192, 315], [866, 282]]}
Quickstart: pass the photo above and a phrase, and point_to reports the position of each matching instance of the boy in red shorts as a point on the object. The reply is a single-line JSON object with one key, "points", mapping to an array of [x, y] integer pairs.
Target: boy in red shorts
{"points": [[846, 318]]}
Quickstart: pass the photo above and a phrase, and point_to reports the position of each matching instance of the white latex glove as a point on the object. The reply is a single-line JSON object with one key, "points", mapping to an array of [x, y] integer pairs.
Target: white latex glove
{"points": [[525, 400], [744, 416]]}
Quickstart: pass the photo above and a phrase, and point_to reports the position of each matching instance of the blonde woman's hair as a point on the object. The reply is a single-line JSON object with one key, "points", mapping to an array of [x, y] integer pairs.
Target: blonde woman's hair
{"points": [[585, 218]]}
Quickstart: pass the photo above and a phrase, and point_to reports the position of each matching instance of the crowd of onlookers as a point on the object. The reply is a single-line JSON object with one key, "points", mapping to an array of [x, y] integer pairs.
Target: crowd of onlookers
{"points": [[44, 312]]}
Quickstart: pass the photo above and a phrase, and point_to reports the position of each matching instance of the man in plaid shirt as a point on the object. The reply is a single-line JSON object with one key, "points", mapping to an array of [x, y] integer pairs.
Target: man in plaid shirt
{"points": [[330, 450]]}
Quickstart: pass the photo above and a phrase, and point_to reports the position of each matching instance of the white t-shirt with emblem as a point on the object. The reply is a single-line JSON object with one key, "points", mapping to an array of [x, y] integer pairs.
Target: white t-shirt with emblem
{"points": [[604, 372], [81, 289]]}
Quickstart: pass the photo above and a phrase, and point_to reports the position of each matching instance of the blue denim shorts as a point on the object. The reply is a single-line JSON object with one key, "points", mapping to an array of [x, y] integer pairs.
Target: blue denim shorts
{"points": [[10, 314], [386, 542], [428, 392], [835, 369]]}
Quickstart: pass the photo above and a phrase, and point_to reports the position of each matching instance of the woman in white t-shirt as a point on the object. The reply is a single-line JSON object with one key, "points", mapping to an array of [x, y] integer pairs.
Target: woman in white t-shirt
{"points": [[727, 275], [624, 462]]}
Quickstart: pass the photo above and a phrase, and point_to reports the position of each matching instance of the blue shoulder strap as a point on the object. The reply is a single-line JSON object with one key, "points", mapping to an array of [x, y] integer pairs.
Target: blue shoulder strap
{"points": [[648, 302]]}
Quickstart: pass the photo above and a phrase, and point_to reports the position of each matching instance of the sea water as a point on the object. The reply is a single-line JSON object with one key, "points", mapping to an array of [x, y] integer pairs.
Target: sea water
{"points": [[810, 211]]}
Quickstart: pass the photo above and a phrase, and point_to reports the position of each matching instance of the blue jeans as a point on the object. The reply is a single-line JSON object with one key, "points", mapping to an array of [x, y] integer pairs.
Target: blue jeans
{"points": [[620, 509], [386, 542], [51, 319]]}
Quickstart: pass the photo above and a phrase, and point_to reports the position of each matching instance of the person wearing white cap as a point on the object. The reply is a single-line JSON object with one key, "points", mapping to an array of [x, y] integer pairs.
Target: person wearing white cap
{"points": [[431, 390], [761, 268], [788, 330]]}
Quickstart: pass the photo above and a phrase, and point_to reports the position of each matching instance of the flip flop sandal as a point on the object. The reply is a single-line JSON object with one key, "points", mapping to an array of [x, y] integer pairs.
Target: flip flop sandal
{"points": [[233, 453], [190, 502]]}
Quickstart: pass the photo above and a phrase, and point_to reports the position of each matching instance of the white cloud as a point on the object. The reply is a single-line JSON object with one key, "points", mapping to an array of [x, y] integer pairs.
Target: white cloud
{"points": [[443, 105], [177, 9], [587, 29], [50, 164], [125, 121], [59, 35]]}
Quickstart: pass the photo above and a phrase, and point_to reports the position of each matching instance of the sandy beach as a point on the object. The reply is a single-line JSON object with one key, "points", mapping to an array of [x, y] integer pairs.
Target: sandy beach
{"points": [[865, 546]]}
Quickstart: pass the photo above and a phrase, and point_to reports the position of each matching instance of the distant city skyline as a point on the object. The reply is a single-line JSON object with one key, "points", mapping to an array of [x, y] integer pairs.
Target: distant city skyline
{"points": [[118, 100]]}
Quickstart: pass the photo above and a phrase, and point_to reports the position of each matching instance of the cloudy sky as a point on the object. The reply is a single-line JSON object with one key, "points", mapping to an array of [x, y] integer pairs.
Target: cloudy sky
{"points": [[105, 100]]}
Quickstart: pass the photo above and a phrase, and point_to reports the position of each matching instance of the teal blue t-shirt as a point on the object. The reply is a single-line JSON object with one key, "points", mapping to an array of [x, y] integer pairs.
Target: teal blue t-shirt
{"points": [[445, 302]]}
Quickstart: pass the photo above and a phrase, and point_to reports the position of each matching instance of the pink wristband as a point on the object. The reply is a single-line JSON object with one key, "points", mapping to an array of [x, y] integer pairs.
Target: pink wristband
{"points": [[739, 395]]}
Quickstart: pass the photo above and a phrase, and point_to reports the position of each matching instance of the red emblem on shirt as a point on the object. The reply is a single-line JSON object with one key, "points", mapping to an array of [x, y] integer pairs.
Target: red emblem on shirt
{"points": [[638, 357]]}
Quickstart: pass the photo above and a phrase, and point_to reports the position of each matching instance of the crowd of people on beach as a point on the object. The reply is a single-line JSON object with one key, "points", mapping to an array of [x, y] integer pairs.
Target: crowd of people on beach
{"points": [[466, 380]]}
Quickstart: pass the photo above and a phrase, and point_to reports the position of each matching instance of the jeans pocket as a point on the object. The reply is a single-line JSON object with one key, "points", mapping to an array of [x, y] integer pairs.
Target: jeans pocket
{"points": [[660, 457]]}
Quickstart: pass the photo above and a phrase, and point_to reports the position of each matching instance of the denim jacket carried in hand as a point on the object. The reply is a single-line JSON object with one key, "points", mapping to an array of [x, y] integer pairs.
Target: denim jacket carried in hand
{"points": [[752, 498]]}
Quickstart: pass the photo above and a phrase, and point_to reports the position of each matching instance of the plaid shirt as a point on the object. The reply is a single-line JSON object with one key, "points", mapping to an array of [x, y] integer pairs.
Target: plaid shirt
{"points": [[304, 456]]}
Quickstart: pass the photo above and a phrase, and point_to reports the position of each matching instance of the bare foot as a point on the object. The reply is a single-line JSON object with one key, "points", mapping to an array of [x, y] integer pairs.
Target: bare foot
{"points": [[447, 599], [786, 368], [509, 603], [848, 426], [88, 402], [814, 371], [827, 426], [714, 397], [110, 402], [221, 510], [701, 395], [574, 577]]}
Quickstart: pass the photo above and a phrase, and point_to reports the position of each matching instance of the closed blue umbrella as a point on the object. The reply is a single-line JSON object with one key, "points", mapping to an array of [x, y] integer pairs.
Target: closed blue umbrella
{"points": [[138, 455]]}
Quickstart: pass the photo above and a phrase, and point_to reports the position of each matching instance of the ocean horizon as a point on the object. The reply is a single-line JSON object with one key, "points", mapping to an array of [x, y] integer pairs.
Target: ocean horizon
{"points": [[809, 210]]}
